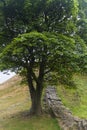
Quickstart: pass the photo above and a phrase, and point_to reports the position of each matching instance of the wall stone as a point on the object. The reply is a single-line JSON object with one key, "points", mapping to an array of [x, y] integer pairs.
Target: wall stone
{"points": [[64, 116]]}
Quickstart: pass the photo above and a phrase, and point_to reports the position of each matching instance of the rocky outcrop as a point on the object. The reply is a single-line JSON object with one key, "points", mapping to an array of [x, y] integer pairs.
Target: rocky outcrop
{"points": [[64, 116]]}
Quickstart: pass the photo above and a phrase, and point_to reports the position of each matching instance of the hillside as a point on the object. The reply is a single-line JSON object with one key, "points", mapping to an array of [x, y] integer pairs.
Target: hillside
{"points": [[14, 106], [75, 98], [15, 103]]}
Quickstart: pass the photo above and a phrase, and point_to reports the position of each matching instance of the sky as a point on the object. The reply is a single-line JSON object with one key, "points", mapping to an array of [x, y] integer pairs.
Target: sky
{"points": [[4, 77]]}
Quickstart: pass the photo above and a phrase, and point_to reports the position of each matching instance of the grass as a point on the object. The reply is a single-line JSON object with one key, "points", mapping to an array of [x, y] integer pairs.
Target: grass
{"points": [[14, 106], [34, 123], [75, 99]]}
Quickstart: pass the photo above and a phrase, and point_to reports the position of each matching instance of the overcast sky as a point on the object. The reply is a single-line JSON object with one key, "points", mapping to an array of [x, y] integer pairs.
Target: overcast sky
{"points": [[4, 77]]}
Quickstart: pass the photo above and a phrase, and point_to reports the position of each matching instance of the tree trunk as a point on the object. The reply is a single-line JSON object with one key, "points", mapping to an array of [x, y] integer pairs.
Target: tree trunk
{"points": [[36, 108], [36, 92]]}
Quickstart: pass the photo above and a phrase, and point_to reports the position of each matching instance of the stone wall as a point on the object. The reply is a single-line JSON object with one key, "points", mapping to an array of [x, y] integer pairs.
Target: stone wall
{"points": [[64, 116]]}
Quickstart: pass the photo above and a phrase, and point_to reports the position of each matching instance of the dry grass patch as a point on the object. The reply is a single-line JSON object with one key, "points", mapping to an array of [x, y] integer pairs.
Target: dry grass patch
{"points": [[14, 107]]}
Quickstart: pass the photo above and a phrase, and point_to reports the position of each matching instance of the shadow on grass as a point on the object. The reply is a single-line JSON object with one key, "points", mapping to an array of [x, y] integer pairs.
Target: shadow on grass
{"points": [[22, 120]]}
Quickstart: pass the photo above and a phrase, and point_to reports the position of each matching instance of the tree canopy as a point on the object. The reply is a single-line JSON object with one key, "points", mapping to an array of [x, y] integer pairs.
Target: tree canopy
{"points": [[40, 15]]}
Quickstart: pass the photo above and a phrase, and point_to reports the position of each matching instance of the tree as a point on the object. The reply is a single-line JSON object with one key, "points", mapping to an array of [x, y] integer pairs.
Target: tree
{"points": [[82, 20], [41, 15], [39, 42], [82, 31], [38, 54]]}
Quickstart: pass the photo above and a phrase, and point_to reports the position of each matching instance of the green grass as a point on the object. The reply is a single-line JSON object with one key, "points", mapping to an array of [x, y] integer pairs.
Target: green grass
{"points": [[34, 123], [15, 104], [75, 99]]}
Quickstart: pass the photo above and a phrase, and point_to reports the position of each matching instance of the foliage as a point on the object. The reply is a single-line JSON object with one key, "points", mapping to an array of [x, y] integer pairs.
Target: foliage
{"points": [[82, 20], [39, 15], [55, 52]]}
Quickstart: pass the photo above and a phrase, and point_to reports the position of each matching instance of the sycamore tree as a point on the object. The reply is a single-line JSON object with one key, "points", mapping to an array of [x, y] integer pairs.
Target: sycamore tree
{"points": [[37, 54], [37, 39]]}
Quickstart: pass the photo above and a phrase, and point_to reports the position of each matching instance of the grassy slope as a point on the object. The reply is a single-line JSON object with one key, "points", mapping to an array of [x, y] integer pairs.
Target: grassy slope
{"points": [[75, 99], [14, 105]]}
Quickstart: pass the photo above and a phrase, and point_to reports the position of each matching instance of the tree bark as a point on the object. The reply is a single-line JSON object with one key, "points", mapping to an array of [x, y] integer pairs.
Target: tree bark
{"points": [[35, 94], [36, 108]]}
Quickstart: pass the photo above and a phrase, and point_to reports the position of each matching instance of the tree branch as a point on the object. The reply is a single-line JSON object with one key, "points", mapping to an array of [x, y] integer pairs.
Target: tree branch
{"points": [[34, 76], [47, 71]]}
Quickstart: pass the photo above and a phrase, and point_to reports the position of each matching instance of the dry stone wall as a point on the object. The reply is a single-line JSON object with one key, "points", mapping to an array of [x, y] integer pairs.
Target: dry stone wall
{"points": [[64, 116]]}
